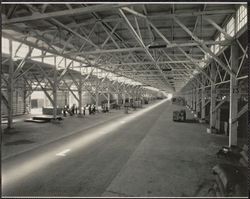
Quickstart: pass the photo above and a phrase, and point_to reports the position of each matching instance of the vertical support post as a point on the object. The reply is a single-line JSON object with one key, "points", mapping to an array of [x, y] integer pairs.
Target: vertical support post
{"points": [[134, 96], [218, 119], [213, 97], [129, 95], [10, 88], [96, 97], [138, 95], [233, 96], [117, 99], [203, 94], [55, 91], [108, 96], [197, 99], [24, 99], [124, 98], [141, 97], [192, 98], [80, 95], [66, 101], [108, 100]]}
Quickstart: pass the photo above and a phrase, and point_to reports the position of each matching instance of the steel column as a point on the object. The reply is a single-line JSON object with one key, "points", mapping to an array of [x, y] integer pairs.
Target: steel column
{"points": [[134, 96], [233, 96], [10, 87], [212, 97], [192, 99], [108, 96], [197, 100], [117, 99], [55, 90], [96, 98], [24, 99], [217, 123], [203, 106], [124, 98], [108, 100], [80, 96]]}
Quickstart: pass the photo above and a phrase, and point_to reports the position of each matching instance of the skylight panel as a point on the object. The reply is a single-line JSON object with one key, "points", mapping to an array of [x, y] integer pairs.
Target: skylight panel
{"points": [[36, 53], [241, 17], [5, 45], [230, 27]]}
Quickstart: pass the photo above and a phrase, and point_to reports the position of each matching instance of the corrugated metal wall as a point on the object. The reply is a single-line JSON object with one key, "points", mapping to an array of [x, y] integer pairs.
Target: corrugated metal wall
{"points": [[18, 97], [17, 104]]}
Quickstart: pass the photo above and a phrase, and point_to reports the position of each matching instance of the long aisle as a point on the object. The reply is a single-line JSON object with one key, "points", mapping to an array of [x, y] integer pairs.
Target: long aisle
{"points": [[174, 159], [83, 164], [143, 153]]}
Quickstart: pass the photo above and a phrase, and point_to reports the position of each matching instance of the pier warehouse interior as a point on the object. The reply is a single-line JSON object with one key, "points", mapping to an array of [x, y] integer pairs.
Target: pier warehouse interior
{"points": [[124, 99]]}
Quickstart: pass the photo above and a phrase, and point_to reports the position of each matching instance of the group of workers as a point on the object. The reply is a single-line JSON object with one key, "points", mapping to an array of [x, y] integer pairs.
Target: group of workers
{"points": [[91, 108], [105, 108], [73, 110]]}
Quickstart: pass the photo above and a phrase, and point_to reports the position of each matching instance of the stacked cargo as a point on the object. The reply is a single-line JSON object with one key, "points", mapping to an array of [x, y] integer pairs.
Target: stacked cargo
{"points": [[179, 116], [178, 101], [231, 177]]}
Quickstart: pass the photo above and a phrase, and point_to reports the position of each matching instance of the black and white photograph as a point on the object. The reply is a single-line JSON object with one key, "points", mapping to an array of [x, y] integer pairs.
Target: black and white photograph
{"points": [[124, 99]]}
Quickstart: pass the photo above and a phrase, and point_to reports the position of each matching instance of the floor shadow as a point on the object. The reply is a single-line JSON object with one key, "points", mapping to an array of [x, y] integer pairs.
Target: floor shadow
{"points": [[13, 131], [19, 142], [189, 121]]}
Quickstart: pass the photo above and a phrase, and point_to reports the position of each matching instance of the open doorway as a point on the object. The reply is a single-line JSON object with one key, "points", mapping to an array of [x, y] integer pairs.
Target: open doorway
{"points": [[37, 102]]}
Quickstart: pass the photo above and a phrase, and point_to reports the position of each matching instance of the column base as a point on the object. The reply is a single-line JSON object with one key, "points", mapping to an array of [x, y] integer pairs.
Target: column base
{"points": [[80, 115], [8, 130], [10, 127], [212, 130], [232, 146], [202, 121]]}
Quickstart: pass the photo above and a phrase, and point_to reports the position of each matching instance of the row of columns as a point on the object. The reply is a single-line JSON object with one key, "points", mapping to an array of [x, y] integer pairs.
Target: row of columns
{"points": [[196, 98], [133, 95], [54, 84], [80, 86]]}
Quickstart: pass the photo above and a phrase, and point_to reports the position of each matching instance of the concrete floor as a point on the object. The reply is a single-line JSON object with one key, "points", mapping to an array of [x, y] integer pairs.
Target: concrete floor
{"points": [[26, 136], [143, 153]]}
